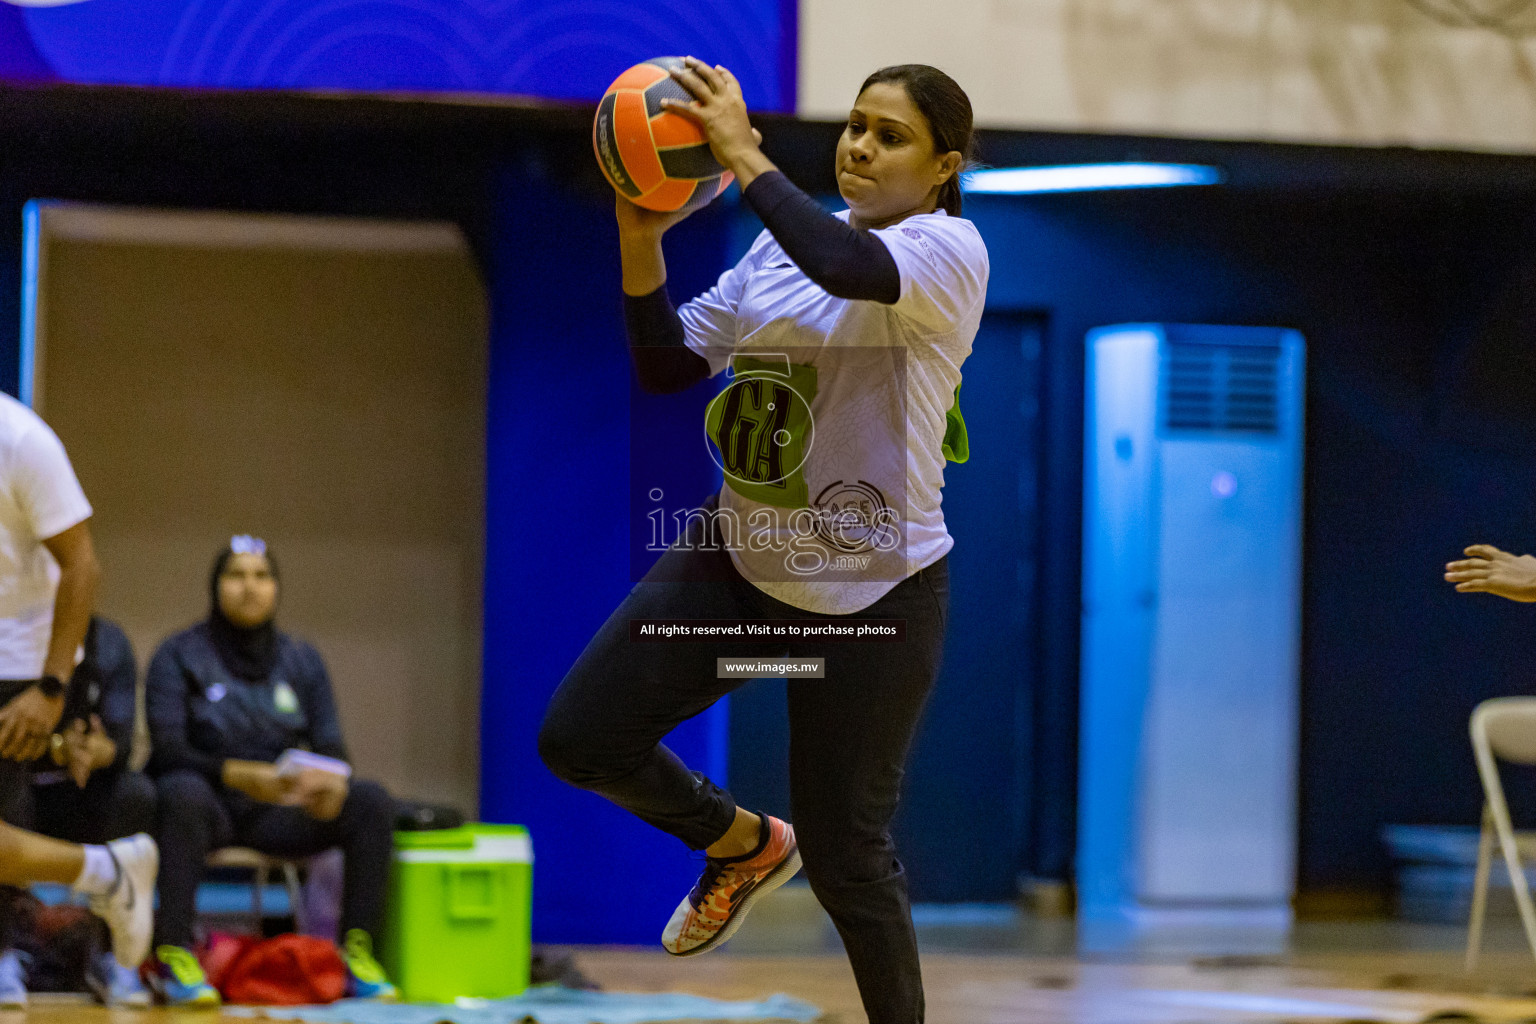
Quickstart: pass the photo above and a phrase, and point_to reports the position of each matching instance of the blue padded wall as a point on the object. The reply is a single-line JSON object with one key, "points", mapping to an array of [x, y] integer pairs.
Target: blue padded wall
{"points": [[568, 437]]}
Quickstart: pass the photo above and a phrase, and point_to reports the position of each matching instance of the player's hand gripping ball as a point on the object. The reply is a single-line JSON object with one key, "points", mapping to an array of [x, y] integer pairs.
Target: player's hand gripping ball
{"points": [[653, 157]]}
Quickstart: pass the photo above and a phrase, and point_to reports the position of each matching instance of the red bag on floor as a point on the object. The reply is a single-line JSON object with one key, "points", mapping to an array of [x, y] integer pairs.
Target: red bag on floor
{"points": [[221, 951], [288, 970]]}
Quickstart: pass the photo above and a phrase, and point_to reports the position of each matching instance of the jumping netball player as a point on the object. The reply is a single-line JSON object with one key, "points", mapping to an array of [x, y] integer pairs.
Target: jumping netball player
{"points": [[846, 333]]}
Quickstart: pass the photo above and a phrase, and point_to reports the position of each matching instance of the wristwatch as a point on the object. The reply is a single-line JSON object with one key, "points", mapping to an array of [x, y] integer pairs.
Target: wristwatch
{"points": [[51, 687]]}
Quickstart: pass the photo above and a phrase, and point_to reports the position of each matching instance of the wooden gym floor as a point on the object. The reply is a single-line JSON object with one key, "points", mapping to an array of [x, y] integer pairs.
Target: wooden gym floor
{"points": [[1023, 988]]}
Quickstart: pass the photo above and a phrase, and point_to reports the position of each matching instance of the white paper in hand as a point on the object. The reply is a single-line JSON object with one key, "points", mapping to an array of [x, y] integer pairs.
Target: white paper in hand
{"points": [[295, 761]]}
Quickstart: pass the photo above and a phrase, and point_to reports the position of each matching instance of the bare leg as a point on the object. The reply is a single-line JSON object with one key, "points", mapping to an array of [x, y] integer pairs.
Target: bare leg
{"points": [[741, 838], [28, 857]]}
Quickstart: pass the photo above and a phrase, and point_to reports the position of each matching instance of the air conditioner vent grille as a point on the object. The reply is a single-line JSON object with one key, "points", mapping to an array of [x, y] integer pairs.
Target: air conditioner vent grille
{"points": [[1221, 388]]}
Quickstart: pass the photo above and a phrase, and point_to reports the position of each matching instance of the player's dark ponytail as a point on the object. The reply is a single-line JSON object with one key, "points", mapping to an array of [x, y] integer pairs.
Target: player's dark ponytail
{"points": [[948, 111]]}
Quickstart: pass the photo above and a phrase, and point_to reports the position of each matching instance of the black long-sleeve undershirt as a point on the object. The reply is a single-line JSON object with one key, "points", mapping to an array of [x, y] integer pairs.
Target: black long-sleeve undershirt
{"points": [[663, 363], [847, 262]]}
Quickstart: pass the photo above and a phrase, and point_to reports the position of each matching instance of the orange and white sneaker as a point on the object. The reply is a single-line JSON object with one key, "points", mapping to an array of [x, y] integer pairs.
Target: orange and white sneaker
{"points": [[728, 889]]}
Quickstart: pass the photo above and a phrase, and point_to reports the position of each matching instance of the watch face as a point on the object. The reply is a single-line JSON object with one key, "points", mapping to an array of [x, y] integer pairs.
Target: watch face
{"points": [[51, 686]]}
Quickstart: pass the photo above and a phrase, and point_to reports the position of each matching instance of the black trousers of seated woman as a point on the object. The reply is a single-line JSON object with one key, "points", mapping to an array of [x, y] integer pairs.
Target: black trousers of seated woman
{"points": [[196, 817]]}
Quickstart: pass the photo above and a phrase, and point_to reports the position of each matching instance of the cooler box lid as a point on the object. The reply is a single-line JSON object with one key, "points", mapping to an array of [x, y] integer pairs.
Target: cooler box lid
{"points": [[501, 844]]}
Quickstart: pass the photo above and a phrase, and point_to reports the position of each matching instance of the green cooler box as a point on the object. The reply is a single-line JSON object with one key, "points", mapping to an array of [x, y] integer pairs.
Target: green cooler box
{"points": [[459, 921]]}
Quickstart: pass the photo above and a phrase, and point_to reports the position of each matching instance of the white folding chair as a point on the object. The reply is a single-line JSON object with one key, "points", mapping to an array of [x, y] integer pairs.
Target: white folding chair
{"points": [[1503, 728]]}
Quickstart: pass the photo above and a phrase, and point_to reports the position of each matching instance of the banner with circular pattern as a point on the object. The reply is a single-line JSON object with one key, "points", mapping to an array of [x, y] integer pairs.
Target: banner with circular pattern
{"points": [[553, 49]]}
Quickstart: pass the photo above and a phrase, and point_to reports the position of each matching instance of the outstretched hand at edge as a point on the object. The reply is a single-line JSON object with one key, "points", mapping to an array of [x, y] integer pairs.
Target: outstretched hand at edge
{"points": [[1488, 570]]}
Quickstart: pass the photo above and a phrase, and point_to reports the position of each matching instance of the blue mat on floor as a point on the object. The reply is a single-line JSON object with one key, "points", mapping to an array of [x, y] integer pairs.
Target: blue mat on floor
{"points": [[544, 1004]]}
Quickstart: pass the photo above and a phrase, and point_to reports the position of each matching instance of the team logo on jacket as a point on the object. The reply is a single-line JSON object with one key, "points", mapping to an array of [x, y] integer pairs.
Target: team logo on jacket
{"points": [[761, 430], [284, 699], [853, 515]]}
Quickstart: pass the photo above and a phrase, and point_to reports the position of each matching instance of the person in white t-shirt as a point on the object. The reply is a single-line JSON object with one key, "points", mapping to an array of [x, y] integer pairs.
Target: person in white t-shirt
{"points": [[846, 334], [48, 579]]}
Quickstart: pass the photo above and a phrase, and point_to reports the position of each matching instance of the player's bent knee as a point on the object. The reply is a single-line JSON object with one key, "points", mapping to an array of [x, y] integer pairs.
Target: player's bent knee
{"points": [[585, 749], [569, 754]]}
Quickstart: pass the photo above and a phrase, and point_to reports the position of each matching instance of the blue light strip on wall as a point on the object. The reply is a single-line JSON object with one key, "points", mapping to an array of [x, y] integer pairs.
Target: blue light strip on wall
{"points": [[31, 242], [1086, 178]]}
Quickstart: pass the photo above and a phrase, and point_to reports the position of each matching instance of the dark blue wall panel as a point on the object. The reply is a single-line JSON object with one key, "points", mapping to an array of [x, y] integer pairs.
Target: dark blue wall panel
{"points": [[1420, 436], [10, 298], [569, 439]]}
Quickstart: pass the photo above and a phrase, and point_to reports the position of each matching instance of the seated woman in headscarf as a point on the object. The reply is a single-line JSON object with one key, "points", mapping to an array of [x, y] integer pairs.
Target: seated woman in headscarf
{"points": [[226, 699]]}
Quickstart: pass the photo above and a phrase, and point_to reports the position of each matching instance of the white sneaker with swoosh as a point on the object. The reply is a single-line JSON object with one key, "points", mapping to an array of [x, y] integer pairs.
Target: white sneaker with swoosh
{"points": [[129, 909]]}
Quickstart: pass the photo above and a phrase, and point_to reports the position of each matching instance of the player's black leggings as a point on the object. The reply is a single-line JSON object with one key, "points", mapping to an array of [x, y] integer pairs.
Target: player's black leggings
{"points": [[849, 737]]}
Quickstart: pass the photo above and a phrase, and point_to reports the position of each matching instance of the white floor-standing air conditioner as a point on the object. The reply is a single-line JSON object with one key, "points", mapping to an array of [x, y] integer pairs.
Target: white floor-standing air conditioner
{"points": [[1190, 629]]}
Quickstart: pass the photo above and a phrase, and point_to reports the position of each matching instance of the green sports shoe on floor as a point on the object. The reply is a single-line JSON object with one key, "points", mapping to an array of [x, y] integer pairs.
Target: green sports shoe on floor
{"points": [[178, 979], [366, 978]]}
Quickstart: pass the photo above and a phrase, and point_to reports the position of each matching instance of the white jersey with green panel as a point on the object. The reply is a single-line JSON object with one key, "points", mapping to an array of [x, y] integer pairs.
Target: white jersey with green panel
{"points": [[830, 435]]}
